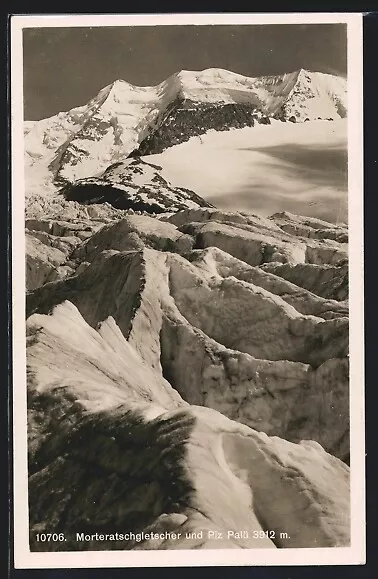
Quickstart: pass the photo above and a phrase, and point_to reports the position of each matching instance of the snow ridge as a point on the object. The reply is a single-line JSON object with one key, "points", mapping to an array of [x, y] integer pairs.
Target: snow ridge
{"points": [[82, 142]]}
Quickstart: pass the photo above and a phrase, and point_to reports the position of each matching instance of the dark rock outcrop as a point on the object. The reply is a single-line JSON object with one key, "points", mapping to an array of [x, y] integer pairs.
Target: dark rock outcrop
{"points": [[134, 185], [187, 119]]}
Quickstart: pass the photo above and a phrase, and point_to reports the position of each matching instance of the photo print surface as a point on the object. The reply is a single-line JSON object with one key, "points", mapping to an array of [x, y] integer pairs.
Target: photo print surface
{"points": [[185, 212]]}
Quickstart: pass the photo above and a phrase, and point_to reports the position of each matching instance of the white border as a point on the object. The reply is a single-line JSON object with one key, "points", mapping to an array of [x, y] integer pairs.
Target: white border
{"points": [[355, 554]]}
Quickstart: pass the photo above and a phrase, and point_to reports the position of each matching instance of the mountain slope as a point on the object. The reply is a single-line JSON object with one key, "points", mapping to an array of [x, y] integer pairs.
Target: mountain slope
{"points": [[85, 140], [133, 184]]}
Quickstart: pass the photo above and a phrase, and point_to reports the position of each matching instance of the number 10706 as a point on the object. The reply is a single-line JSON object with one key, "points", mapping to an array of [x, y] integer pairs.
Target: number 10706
{"points": [[50, 537]]}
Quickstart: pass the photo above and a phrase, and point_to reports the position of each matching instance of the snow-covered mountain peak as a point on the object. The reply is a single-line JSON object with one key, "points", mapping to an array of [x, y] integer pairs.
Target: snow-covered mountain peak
{"points": [[322, 95], [83, 141]]}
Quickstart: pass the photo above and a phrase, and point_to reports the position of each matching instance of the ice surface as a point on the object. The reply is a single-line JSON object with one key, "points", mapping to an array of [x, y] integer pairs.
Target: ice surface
{"points": [[298, 167]]}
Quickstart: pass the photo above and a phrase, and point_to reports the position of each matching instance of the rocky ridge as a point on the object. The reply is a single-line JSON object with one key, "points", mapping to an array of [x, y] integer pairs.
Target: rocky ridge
{"points": [[133, 184], [176, 361], [123, 118]]}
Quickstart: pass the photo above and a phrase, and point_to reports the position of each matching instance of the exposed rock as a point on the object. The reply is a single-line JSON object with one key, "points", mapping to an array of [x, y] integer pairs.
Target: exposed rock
{"points": [[133, 184], [83, 141], [187, 118]]}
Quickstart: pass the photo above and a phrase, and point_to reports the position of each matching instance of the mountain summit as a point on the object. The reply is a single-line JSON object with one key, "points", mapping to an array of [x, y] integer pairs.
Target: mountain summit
{"points": [[123, 118]]}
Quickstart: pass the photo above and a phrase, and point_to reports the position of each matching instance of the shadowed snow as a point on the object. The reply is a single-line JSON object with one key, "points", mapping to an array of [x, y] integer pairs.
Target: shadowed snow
{"points": [[300, 168]]}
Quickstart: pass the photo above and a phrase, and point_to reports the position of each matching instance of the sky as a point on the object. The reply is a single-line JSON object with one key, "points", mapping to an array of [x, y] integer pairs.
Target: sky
{"points": [[66, 67]]}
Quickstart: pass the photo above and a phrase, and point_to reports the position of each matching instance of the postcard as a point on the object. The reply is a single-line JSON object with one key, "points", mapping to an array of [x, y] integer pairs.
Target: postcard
{"points": [[187, 249]]}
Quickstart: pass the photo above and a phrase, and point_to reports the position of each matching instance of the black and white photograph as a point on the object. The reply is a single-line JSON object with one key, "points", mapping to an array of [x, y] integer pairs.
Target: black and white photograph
{"points": [[187, 290]]}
